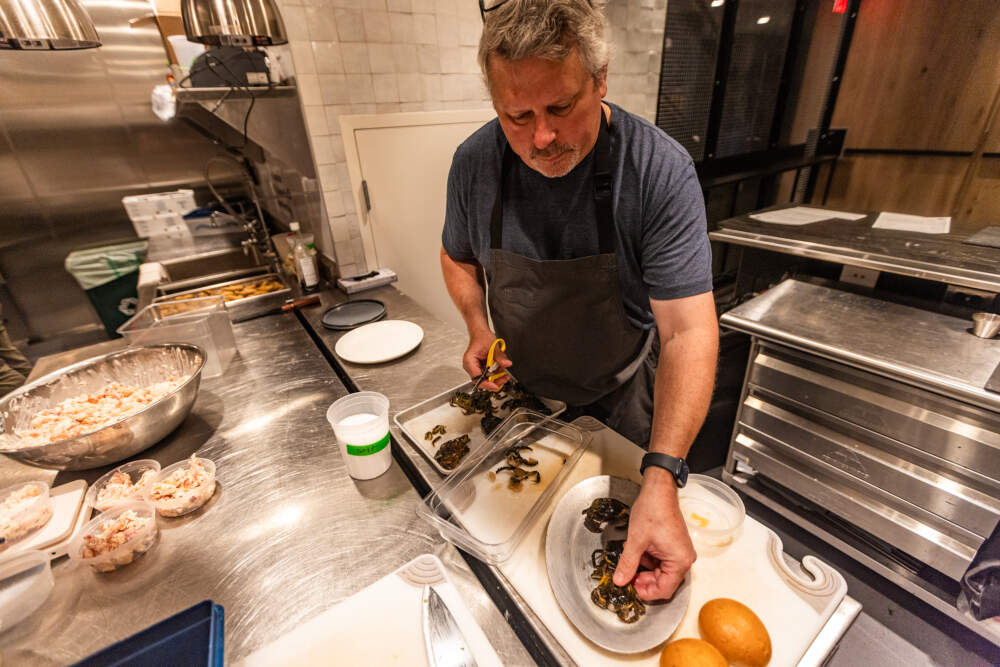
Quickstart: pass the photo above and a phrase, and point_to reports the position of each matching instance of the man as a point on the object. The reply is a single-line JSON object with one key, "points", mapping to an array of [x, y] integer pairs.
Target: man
{"points": [[14, 367], [589, 223]]}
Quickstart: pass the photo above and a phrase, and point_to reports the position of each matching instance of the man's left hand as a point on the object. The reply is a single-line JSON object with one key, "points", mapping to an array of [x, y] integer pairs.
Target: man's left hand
{"points": [[657, 539]]}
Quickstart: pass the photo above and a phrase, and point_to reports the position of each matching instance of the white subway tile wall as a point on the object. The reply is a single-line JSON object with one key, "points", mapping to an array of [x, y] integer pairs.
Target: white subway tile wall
{"points": [[387, 56]]}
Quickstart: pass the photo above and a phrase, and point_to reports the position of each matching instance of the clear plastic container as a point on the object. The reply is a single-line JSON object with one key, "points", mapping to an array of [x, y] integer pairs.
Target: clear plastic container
{"points": [[25, 583], [135, 471], [712, 511], [201, 321], [188, 500], [479, 510], [360, 422], [21, 518], [138, 543]]}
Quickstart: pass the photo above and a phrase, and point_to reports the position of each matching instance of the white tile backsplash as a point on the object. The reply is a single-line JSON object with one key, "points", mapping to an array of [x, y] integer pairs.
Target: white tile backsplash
{"points": [[381, 58], [360, 88], [388, 56], [410, 87], [356, 59], [425, 28], [401, 28], [405, 57], [334, 88], [350, 25], [322, 24], [386, 89], [377, 26], [328, 58], [308, 85], [430, 58]]}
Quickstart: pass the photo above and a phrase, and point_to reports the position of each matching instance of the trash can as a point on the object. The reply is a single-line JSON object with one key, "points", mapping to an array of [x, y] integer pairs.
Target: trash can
{"points": [[110, 275]]}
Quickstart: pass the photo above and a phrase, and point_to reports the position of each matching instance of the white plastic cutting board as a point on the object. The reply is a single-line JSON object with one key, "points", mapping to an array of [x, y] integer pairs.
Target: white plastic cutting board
{"points": [[752, 570], [68, 514], [379, 625]]}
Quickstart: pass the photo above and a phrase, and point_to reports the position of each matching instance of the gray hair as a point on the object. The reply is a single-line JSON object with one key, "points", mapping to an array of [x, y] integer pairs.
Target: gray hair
{"points": [[547, 29]]}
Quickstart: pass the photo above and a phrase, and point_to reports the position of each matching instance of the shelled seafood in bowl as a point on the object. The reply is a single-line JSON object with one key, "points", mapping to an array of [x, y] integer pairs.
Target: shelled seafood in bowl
{"points": [[111, 431]]}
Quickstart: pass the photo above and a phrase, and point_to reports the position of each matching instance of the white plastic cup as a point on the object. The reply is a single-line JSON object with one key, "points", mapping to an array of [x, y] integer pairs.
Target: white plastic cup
{"points": [[361, 425]]}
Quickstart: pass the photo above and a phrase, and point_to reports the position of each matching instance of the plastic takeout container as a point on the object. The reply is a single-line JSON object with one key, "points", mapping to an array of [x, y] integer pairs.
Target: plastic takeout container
{"points": [[139, 543], [712, 511], [203, 321], [135, 471], [25, 583], [192, 498], [360, 422], [476, 510], [28, 516]]}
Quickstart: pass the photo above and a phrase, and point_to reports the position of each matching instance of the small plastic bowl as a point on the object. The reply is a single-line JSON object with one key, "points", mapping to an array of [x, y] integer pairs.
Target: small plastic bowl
{"points": [[140, 542], [135, 471], [25, 583], [189, 501], [26, 519], [712, 511]]}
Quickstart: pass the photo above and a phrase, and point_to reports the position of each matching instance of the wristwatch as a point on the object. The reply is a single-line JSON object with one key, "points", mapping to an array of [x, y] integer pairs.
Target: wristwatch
{"points": [[677, 467]]}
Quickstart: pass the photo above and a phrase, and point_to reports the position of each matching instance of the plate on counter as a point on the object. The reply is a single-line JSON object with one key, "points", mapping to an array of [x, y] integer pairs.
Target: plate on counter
{"points": [[568, 549], [379, 342], [416, 421]]}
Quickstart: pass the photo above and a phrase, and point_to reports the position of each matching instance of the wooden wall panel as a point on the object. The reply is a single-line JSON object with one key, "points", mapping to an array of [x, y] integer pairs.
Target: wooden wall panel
{"points": [[901, 184], [920, 74], [982, 206]]}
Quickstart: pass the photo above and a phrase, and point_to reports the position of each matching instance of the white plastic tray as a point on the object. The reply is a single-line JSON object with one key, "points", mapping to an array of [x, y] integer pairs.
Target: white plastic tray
{"points": [[68, 514]]}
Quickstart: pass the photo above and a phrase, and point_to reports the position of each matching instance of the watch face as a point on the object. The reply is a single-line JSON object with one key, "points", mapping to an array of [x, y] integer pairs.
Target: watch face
{"points": [[682, 475]]}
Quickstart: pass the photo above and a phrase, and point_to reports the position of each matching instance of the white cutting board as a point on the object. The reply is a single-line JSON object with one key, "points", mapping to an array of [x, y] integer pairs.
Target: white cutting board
{"points": [[379, 625], [751, 569]]}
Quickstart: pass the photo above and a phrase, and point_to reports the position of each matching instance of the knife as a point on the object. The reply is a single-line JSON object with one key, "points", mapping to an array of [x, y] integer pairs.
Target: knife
{"points": [[446, 647]]}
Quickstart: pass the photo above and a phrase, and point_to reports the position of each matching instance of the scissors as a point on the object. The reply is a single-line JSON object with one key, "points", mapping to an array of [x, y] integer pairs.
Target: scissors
{"points": [[490, 371]]}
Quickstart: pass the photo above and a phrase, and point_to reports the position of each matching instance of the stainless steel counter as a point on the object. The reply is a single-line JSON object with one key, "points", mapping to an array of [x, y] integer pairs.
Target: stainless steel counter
{"points": [[940, 257], [287, 535]]}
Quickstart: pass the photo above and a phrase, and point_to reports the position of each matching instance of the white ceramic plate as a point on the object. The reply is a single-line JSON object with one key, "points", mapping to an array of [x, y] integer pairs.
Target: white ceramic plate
{"points": [[379, 341]]}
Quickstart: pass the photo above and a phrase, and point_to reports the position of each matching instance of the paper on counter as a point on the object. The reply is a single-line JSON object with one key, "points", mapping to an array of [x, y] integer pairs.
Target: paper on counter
{"points": [[803, 215], [912, 223]]}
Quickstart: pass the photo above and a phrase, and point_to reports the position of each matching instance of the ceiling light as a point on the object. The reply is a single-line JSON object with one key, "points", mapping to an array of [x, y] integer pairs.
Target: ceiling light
{"points": [[718, 3], [763, 19], [46, 24], [233, 22]]}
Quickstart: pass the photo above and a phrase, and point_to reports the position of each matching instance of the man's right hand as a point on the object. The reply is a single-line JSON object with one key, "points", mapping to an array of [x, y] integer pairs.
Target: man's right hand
{"points": [[474, 359]]}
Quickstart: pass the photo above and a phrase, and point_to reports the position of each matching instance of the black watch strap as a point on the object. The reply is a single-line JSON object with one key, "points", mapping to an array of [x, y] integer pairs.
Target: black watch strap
{"points": [[677, 467]]}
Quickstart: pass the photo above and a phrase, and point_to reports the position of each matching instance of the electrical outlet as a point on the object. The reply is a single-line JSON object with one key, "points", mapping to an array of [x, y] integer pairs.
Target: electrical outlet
{"points": [[856, 275]]}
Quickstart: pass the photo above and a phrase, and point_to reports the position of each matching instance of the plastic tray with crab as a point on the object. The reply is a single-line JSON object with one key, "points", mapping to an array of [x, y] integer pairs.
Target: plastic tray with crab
{"points": [[488, 504]]}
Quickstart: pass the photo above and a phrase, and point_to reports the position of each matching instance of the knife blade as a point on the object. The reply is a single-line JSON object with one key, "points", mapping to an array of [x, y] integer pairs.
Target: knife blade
{"points": [[446, 647]]}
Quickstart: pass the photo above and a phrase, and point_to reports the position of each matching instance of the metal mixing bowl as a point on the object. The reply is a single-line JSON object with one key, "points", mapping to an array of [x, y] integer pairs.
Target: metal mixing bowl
{"points": [[135, 366]]}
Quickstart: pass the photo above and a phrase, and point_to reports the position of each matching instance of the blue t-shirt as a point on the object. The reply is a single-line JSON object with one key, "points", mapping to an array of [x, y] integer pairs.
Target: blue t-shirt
{"points": [[661, 235]]}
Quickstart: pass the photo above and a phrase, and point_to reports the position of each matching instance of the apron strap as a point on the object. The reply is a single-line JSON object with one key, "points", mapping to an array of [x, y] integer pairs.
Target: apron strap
{"points": [[602, 193]]}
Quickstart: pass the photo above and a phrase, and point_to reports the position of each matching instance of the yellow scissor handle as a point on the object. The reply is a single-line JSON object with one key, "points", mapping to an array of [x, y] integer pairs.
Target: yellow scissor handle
{"points": [[490, 359], [493, 348]]}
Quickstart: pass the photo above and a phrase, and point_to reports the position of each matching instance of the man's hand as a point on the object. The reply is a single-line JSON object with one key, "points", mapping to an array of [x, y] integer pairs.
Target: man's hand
{"points": [[657, 539], [474, 359]]}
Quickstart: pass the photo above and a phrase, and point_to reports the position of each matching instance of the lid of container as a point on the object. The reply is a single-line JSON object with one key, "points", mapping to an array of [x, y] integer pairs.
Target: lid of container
{"points": [[485, 506], [353, 314]]}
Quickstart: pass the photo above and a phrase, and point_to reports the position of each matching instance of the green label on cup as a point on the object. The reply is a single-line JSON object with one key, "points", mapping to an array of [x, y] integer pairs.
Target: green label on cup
{"points": [[368, 450]]}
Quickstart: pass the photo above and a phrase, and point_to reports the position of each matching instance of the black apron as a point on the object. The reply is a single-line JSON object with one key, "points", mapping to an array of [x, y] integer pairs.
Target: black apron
{"points": [[564, 320]]}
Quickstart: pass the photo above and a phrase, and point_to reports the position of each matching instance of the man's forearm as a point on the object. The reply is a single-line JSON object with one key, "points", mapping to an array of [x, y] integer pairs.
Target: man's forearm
{"points": [[462, 281], [685, 378]]}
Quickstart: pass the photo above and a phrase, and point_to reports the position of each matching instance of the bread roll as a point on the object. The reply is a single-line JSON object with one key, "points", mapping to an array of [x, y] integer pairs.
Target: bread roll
{"points": [[690, 652], [735, 630]]}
